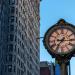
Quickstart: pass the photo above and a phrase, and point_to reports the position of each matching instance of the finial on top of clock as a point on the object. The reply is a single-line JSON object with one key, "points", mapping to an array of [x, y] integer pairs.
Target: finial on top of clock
{"points": [[61, 21]]}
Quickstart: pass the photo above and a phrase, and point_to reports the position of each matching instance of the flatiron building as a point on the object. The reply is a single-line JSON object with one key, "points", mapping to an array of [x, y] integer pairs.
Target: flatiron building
{"points": [[19, 29]]}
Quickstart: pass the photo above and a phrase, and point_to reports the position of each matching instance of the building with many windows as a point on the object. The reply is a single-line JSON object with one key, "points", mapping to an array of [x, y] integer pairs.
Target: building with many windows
{"points": [[19, 28]]}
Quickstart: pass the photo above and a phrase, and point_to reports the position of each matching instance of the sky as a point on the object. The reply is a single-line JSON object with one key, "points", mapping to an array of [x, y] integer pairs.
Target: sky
{"points": [[50, 12]]}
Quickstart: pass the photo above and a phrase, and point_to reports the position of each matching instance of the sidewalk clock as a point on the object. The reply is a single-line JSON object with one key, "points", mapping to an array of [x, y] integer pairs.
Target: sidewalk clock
{"points": [[59, 40]]}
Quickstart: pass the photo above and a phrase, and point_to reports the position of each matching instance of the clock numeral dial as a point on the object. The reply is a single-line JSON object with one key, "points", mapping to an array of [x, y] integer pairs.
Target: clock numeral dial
{"points": [[70, 43], [69, 32], [59, 31], [63, 48], [69, 47], [72, 36], [54, 34], [65, 31], [62, 40]]}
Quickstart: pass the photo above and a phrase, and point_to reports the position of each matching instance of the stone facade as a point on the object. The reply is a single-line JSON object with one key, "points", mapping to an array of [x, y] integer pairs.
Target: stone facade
{"points": [[19, 28]]}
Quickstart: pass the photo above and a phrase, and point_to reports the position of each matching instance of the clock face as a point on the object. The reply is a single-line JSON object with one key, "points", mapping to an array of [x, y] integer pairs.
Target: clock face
{"points": [[62, 40], [59, 40]]}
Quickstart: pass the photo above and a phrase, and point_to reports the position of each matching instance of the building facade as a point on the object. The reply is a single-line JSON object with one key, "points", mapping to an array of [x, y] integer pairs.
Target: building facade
{"points": [[47, 68], [19, 28]]}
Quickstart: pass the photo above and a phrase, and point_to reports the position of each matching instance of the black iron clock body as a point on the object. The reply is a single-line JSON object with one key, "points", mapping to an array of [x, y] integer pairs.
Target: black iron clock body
{"points": [[59, 40]]}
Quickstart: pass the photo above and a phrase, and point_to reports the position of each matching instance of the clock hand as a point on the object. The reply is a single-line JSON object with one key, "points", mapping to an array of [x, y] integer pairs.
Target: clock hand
{"points": [[67, 40], [61, 39], [57, 48], [59, 43], [70, 40]]}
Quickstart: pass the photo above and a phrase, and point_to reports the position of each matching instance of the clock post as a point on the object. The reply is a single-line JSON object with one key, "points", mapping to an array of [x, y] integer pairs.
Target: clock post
{"points": [[63, 66], [64, 69], [59, 40]]}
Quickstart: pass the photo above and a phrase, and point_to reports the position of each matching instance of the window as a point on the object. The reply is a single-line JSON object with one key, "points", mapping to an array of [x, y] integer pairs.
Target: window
{"points": [[12, 19], [15, 49], [11, 37], [5, 68], [6, 58], [9, 68], [15, 38], [22, 37], [18, 71], [18, 41], [10, 57], [16, 19], [22, 45], [22, 73], [16, 10], [28, 73], [10, 47], [14, 68], [14, 58], [31, 66], [11, 2], [18, 51], [24, 69], [11, 27], [12, 10]]}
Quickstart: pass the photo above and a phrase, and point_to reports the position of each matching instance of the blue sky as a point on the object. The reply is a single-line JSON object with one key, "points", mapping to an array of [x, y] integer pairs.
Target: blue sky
{"points": [[50, 12]]}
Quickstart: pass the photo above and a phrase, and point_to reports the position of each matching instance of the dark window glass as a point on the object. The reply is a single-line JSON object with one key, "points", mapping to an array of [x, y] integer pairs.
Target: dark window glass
{"points": [[11, 37], [24, 69], [9, 68], [6, 58], [22, 46], [5, 69], [10, 57], [12, 20], [11, 27], [11, 2], [18, 51], [11, 47], [18, 71], [14, 58], [27, 72], [16, 11], [12, 10], [22, 73], [22, 37], [15, 49], [16, 20], [15, 38], [14, 68]]}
